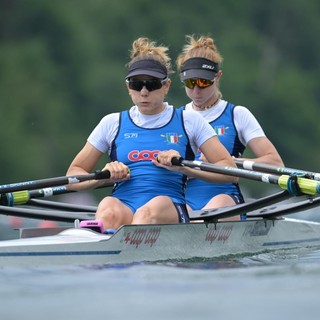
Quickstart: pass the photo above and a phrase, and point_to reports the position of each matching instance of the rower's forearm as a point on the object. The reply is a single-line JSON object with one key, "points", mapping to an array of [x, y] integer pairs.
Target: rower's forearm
{"points": [[85, 185], [268, 159], [210, 177], [88, 185]]}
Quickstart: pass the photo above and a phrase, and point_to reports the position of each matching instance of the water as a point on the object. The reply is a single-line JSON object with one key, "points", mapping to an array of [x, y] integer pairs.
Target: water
{"points": [[285, 285]]}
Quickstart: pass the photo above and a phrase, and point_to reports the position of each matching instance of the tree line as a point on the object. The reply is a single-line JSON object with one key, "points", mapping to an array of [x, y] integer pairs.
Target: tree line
{"points": [[63, 65]]}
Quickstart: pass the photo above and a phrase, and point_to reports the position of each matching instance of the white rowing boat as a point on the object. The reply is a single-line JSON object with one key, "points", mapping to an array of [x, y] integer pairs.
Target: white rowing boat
{"points": [[265, 230], [146, 243]]}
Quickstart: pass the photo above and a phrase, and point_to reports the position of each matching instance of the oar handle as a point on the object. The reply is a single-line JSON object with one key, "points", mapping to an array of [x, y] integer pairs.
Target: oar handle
{"points": [[177, 161], [100, 175]]}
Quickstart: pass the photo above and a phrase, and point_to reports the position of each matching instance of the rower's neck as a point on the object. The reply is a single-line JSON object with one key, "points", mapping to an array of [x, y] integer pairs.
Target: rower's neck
{"points": [[207, 106]]}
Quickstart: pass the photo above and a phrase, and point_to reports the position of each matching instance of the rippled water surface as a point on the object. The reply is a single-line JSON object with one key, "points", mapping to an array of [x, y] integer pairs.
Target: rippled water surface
{"points": [[282, 285], [285, 285]]}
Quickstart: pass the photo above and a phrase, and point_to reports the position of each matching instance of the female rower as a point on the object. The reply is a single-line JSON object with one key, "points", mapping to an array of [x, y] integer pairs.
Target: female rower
{"points": [[200, 71], [141, 143]]}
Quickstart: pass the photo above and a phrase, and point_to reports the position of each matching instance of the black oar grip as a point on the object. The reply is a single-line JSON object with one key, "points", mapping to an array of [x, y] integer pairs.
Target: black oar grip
{"points": [[177, 161], [99, 175]]}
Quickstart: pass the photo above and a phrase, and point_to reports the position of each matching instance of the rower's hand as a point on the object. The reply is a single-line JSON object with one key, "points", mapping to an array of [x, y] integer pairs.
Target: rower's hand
{"points": [[164, 160], [118, 171]]}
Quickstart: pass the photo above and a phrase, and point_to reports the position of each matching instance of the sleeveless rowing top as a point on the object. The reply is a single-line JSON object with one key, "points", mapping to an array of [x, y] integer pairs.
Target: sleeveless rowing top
{"points": [[136, 147], [198, 192]]}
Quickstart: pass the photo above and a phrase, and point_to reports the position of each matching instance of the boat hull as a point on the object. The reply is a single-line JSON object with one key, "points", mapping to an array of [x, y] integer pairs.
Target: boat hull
{"points": [[147, 243]]}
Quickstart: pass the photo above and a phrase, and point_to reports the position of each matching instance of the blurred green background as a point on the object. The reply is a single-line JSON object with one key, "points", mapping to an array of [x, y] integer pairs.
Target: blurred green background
{"points": [[62, 68]]}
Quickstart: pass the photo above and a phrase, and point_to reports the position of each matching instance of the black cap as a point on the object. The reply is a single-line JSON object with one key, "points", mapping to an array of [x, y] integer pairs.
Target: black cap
{"points": [[148, 67], [199, 68]]}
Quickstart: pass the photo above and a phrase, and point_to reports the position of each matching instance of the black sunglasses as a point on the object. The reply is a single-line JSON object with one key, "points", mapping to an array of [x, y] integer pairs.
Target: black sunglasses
{"points": [[151, 85], [201, 83]]}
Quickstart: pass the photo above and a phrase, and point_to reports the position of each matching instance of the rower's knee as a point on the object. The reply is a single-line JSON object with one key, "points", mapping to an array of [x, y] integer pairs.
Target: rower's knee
{"points": [[144, 215], [113, 213]]}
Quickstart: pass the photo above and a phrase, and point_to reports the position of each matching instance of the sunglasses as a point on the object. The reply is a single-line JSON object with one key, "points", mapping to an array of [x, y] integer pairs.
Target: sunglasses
{"points": [[151, 85], [201, 83]]}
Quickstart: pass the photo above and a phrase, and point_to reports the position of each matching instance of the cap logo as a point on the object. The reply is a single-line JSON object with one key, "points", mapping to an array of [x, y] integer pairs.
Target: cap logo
{"points": [[206, 66], [201, 68]]}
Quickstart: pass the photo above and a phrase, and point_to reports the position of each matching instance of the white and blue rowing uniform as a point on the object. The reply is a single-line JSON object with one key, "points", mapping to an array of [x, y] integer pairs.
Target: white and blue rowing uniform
{"points": [[235, 126], [135, 139], [136, 147]]}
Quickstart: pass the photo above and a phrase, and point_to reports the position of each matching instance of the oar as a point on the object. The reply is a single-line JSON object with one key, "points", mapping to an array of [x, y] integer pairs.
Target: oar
{"points": [[257, 209], [61, 206], [22, 197], [51, 182], [295, 185], [61, 216], [28, 196], [251, 165], [284, 209], [226, 212]]}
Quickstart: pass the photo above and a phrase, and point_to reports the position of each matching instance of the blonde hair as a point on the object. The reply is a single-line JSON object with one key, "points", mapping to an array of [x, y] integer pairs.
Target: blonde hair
{"points": [[144, 48], [201, 47]]}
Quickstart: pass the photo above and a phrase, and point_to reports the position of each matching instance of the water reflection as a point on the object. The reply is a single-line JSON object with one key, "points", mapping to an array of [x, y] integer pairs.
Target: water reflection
{"points": [[281, 257]]}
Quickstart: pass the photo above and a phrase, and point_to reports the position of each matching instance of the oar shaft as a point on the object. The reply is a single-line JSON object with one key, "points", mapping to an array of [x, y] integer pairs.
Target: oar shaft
{"points": [[226, 212], [22, 197], [306, 186], [52, 182], [63, 216], [57, 205], [251, 165], [281, 210], [230, 171]]}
